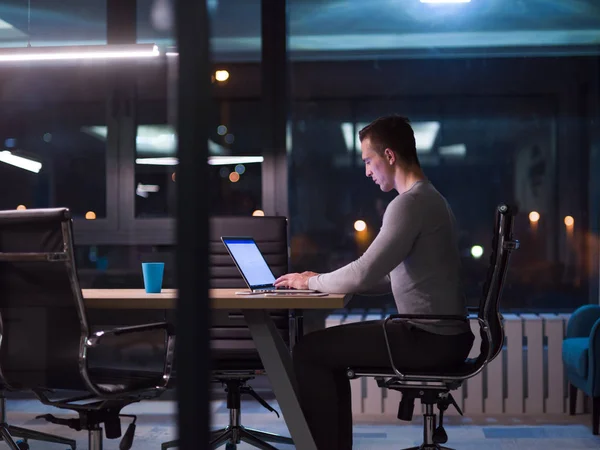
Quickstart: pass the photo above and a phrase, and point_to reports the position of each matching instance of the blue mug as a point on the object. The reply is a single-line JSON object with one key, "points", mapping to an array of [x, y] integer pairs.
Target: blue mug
{"points": [[153, 276]]}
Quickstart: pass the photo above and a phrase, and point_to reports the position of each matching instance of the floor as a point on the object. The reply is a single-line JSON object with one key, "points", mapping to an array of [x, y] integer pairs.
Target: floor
{"points": [[156, 425]]}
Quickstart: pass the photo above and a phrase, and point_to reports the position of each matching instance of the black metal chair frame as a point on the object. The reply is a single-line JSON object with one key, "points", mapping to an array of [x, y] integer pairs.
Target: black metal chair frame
{"points": [[434, 388], [104, 406]]}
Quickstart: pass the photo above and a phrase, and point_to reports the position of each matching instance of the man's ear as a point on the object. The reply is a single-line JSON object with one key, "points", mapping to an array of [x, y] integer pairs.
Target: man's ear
{"points": [[390, 155]]}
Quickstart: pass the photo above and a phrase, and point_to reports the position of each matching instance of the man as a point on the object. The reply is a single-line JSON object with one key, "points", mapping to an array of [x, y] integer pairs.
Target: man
{"points": [[416, 255]]}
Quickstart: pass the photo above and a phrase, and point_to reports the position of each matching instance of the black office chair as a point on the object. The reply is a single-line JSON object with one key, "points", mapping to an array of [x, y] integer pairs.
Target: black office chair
{"points": [[434, 387], [47, 345], [235, 358]]}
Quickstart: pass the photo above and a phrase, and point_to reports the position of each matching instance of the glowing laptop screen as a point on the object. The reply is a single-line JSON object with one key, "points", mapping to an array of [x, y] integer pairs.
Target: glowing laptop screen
{"points": [[251, 262]]}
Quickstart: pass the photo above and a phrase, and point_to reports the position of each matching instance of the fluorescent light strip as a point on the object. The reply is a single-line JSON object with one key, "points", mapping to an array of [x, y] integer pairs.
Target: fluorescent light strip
{"points": [[165, 161], [230, 160], [212, 160], [453, 150], [20, 162], [148, 187], [347, 132], [79, 52]]}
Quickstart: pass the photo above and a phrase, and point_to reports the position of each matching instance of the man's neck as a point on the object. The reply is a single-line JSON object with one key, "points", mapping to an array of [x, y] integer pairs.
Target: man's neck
{"points": [[407, 179]]}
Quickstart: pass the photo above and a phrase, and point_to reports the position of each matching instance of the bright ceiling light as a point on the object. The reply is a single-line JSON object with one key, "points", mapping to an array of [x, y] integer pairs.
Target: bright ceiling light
{"points": [[158, 140], [445, 1], [459, 150], [425, 135], [231, 160], [20, 162], [348, 131], [143, 189], [79, 52], [166, 161], [212, 160]]}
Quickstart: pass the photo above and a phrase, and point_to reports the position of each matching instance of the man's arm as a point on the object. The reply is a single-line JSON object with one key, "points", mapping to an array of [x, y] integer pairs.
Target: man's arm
{"points": [[400, 228], [381, 287]]}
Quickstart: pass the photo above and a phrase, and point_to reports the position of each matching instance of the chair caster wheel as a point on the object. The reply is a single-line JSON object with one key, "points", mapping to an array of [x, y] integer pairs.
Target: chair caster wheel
{"points": [[230, 446], [23, 445]]}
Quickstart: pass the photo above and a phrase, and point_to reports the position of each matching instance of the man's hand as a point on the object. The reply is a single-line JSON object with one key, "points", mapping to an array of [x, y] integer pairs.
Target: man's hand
{"points": [[295, 280]]}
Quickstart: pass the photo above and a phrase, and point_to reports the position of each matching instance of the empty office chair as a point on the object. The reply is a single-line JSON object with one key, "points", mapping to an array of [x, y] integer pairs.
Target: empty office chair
{"points": [[581, 358], [434, 387], [47, 345], [235, 358]]}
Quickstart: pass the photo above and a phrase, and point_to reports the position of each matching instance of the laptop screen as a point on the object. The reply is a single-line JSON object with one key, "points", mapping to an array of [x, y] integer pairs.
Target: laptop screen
{"points": [[250, 261]]}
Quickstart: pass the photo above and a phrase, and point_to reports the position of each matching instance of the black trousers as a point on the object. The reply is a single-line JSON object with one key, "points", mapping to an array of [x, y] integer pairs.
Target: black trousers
{"points": [[321, 358]]}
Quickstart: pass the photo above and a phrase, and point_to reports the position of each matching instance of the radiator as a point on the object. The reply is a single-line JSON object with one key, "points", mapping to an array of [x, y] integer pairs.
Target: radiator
{"points": [[526, 378]]}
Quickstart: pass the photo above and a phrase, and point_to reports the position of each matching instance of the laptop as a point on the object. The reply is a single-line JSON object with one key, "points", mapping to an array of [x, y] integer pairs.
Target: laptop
{"points": [[253, 267]]}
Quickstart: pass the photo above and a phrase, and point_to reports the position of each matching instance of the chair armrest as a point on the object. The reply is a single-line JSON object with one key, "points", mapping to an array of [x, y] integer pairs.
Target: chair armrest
{"points": [[582, 321], [484, 326], [96, 338]]}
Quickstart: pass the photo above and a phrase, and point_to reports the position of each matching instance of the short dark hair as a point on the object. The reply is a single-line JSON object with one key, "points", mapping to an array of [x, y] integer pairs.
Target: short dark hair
{"points": [[393, 132]]}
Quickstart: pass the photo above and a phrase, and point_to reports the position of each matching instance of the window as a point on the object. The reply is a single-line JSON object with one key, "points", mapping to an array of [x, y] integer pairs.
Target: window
{"points": [[235, 144], [120, 266], [235, 160], [501, 114], [52, 22], [53, 152]]}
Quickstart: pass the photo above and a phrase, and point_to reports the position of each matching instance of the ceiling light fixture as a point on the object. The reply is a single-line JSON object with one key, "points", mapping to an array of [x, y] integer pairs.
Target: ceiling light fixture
{"points": [[212, 160], [112, 51], [20, 162], [57, 53]]}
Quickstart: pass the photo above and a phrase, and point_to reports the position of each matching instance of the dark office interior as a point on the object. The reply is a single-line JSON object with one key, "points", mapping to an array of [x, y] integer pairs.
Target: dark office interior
{"points": [[252, 108]]}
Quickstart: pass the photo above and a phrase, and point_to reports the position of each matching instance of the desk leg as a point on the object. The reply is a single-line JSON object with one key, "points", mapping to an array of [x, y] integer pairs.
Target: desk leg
{"points": [[277, 361]]}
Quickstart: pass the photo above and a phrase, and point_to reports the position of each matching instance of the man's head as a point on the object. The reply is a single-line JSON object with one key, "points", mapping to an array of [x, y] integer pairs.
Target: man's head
{"points": [[388, 147]]}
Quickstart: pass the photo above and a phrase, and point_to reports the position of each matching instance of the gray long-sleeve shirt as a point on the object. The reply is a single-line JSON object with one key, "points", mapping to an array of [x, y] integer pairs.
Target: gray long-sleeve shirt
{"points": [[416, 251]]}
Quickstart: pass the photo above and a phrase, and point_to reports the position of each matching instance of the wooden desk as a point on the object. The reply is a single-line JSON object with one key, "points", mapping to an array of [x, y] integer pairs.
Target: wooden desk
{"points": [[220, 299], [273, 352]]}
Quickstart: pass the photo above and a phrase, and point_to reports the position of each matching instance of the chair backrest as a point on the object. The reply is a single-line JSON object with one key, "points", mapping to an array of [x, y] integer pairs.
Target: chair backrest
{"points": [[42, 314], [270, 234], [231, 342], [489, 307]]}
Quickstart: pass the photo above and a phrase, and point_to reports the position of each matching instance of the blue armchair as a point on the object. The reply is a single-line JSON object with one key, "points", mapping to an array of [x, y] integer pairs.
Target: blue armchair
{"points": [[581, 358]]}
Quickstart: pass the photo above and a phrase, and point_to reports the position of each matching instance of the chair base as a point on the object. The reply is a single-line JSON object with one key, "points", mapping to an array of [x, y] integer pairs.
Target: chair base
{"points": [[232, 435], [429, 447], [7, 432], [235, 435]]}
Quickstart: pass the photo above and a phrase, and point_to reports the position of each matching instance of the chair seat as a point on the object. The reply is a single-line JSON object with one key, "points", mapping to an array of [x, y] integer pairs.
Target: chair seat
{"points": [[115, 380], [468, 367], [575, 354]]}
